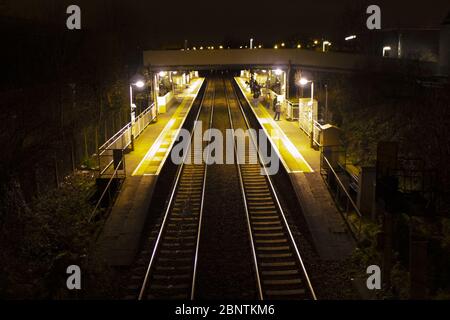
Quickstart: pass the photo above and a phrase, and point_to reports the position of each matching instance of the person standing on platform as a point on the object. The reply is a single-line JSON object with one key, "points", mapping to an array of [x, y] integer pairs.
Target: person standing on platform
{"points": [[277, 111]]}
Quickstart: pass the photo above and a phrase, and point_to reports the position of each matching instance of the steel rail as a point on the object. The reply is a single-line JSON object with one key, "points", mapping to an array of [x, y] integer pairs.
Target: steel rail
{"points": [[194, 276], [145, 283], [252, 243], [279, 207]]}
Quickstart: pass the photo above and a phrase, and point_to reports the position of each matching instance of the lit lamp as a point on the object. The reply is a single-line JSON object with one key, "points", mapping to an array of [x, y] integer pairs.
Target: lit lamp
{"points": [[386, 49], [138, 83], [303, 82], [324, 44]]}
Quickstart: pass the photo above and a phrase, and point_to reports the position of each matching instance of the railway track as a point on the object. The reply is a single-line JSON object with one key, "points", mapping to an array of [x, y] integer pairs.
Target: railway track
{"points": [[171, 272], [280, 272], [278, 267]]}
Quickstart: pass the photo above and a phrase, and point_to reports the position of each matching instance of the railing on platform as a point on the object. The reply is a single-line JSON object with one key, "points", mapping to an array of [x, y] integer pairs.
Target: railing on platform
{"points": [[317, 128], [316, 133], [330, 165], [115, 176], [122, 139], [292, 110]]}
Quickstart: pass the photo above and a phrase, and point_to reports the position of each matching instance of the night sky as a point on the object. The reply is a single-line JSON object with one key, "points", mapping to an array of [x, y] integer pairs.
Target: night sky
{"points": [[167, 21]]}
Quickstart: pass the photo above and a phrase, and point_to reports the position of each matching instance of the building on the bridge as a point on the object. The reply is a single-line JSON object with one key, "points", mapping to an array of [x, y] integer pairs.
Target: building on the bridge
{"points": [[430, 44]]}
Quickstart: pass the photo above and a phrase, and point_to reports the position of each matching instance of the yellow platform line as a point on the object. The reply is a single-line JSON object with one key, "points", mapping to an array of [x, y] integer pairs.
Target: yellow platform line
{"points": [[164, 142], [276, 134]]}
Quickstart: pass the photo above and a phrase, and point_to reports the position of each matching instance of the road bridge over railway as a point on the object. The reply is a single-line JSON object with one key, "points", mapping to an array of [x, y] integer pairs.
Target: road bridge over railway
{"points": [[157, 60]]}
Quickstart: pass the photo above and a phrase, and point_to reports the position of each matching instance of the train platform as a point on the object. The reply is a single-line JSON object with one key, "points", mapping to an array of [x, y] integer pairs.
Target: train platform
{"points": [[120, 237], [331, 237]]}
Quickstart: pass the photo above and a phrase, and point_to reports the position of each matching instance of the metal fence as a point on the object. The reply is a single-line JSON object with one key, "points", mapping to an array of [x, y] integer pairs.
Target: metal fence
{"points": [[122, 139], [111, 159], [108, 194], [331, 168], [292, 110], [305, 125]]}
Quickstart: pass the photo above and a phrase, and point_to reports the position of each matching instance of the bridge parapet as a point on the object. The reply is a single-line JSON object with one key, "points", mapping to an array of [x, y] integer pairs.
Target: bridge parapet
{"points": [[283, 58]]}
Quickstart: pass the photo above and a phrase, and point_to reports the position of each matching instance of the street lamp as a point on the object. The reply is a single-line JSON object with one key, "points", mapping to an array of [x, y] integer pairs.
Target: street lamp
{"points": [[324, 44], [251, 43], [326, 103], [138, 83], [350, 37], [304, 82], [386, 49]]}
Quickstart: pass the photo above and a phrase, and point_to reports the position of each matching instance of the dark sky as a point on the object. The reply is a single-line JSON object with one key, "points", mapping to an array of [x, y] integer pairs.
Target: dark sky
{"points": [[214, 20]]}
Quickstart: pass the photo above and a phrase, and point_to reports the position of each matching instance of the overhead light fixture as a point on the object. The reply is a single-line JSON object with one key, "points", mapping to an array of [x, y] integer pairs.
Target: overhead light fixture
{"points": [[140, 84], [304, 81], [350, 38], [386, 49], [278, 72]]}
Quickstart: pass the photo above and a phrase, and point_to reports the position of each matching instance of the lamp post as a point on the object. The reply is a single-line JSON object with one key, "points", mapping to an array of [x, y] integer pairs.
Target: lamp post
{"points": [[326, 103], [139, 84], [324, 44], [386, 49], [304, 82]]}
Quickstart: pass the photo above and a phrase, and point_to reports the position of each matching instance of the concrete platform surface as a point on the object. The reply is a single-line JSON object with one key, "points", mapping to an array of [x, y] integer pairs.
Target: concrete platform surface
{"points": [[119, 241]]}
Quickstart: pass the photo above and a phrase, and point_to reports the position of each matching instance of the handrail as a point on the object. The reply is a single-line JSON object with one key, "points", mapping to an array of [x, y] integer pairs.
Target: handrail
{"points": [[292, 103], [114, 138], [317, 126], [119, 133], [107, 146], [104, 191], [343, 187], [349, 198], [141, 115]]}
